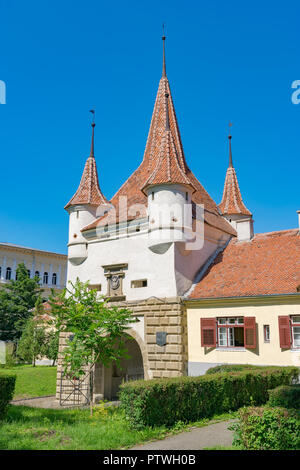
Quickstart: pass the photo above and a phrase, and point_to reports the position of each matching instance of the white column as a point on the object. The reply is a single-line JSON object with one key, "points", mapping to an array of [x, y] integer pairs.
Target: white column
{"points": [[3, 269], [33, 268], [14, 269], [42, 273], [58, 275], [50, 274]]}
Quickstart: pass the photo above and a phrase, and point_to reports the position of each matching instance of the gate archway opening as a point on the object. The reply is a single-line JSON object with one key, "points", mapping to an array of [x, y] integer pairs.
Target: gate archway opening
{"points": [[107, 380]]}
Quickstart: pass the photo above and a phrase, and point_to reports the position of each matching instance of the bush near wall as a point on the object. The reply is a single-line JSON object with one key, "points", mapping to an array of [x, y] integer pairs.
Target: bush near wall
{"points": [[167, 401], [7, 387], [233, 368], [267, 428], [287, 396]]}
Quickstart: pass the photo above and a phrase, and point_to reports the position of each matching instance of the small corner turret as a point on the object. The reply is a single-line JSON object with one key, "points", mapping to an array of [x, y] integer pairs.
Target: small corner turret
{"points": [[232, 207], [87, 203]]}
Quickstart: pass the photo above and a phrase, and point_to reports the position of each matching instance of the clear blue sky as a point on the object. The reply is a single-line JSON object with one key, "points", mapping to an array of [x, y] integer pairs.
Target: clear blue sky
{"points": [[226, 61]]}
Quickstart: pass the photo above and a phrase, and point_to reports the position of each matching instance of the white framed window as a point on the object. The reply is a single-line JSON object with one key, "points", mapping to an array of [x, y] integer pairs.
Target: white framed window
{"points": [[295, 327], [8, 274], [45, 278], [230, 332], [266, 333]]}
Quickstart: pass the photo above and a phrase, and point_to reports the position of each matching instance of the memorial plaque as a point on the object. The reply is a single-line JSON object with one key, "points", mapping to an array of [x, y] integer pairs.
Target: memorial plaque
{"points": [[161, 338]]}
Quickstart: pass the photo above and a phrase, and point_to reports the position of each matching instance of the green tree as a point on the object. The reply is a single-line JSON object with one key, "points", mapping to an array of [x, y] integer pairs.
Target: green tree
{"points": [[51, 345], [96, 328], [33, 341], [17, 298]]}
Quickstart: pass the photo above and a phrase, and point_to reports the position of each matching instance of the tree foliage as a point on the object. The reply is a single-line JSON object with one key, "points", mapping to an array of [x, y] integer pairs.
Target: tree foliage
{"points": [[33, 341], [17, 298], [96, 330]]}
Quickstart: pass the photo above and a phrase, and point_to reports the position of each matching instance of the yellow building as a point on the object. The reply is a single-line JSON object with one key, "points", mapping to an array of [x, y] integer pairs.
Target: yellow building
{"points": [[245, 307]]}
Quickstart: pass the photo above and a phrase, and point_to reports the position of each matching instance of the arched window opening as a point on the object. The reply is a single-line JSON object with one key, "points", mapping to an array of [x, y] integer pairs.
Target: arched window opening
{"points": [[54, 279]]}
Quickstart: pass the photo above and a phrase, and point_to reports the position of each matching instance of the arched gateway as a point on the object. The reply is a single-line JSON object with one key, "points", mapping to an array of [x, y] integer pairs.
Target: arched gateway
{"points": [[107, 380]]}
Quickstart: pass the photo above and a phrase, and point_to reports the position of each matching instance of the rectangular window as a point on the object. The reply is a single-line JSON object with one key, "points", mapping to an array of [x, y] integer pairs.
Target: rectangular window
{"points": [[139, 283], [96, 287], [230, 332], [266, 333], [295, 326]]}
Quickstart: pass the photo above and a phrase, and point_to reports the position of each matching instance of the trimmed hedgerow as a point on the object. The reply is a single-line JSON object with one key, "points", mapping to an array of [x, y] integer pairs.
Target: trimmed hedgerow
{"points": [[166, 401], [265, 428], [7, 387], [287, 396], [233, 368]]}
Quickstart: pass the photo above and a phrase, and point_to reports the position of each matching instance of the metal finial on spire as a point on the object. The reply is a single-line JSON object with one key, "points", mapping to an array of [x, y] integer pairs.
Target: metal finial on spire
{"points": [[93, 127], [230, 137], [164, 55]]}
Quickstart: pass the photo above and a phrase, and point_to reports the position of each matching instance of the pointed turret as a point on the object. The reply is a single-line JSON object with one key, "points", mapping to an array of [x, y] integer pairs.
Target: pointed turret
{"points": [[232, 202], [88, 192], [232, 206], [163, 120], [164, 162], [168, 169], [87, 203]]}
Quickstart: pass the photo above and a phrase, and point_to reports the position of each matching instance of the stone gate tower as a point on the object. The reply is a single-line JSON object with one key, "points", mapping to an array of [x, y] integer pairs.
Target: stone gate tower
{"points": [[144, 247]]}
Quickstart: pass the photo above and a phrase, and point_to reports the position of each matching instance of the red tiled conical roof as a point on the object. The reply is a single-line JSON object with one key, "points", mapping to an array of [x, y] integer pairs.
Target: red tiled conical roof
{"points": [[89, 191], [164, 140], [232, 202]]}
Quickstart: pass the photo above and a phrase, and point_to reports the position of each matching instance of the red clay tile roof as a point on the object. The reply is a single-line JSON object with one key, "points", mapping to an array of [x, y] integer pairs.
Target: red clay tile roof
{"points": [[153, 166], [232, 202], [268, 264], [167, 169], [89, 191]]}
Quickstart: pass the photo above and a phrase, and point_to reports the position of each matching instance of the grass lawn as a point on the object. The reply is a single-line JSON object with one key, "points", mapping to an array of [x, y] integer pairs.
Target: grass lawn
{"points": [[33, 381], [40, 429]]}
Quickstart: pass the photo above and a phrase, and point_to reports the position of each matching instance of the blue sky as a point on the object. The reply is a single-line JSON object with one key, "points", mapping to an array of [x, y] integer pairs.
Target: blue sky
{"points": [[226, 61]]}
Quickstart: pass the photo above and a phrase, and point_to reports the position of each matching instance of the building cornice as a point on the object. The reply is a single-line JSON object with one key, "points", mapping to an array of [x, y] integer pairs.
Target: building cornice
{"points": [[31, 251], [270, 299]]}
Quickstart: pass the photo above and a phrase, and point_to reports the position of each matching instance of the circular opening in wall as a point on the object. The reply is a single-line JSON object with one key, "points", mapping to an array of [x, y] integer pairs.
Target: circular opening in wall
{"points": [[75, 235]]}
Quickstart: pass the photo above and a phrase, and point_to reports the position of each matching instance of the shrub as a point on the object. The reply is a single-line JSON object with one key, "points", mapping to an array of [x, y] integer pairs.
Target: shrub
{"points": [[7, 387], [233, 368], [167, 401], [267, 428], [287, 396]]}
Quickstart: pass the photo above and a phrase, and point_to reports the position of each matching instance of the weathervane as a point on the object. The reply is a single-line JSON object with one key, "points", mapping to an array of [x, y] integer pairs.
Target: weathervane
{"points": [[93, 113]]}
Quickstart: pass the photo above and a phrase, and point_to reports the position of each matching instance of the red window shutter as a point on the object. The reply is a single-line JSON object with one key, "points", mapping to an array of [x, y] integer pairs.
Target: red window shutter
{"points": [[284, 332], [250, 332], [208, 332]]}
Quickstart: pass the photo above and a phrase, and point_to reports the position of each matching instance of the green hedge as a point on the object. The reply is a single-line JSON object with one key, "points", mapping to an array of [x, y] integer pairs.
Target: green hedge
{"points": [[167, 401], [7, 387], [233, 368], [267, 428], [287, 396]]}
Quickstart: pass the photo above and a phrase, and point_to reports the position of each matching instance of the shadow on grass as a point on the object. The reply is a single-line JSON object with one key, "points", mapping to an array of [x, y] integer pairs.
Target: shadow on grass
{"points": [[37, 415]]}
